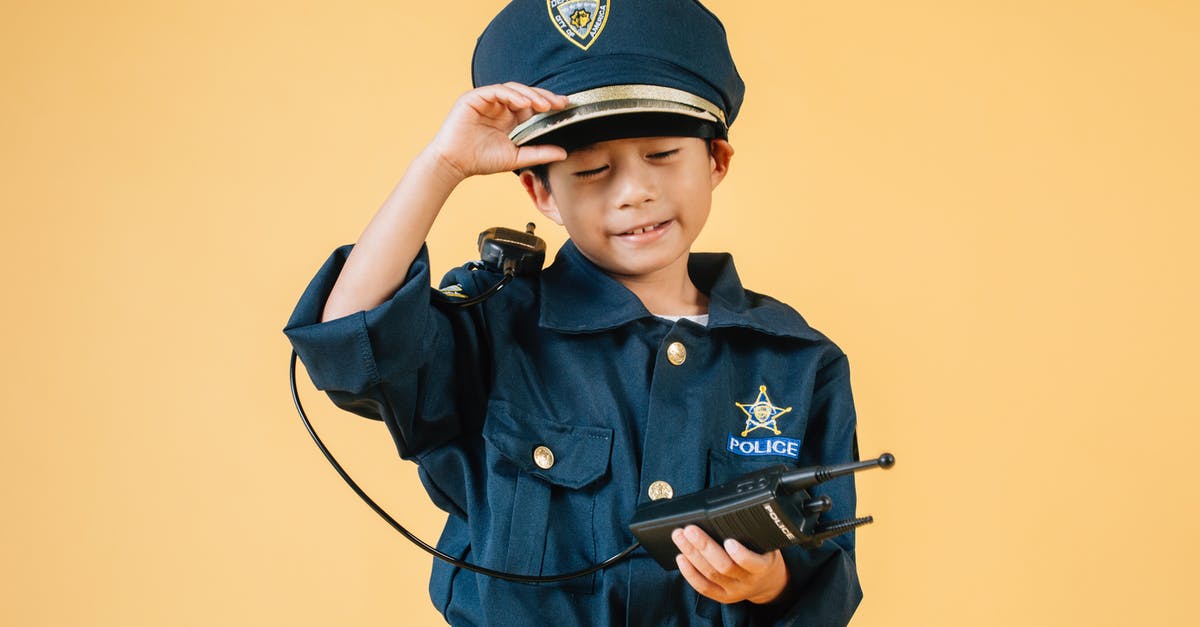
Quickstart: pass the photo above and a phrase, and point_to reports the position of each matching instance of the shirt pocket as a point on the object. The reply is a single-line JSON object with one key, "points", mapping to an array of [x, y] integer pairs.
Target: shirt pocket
{"points": [[724, 466], [543, 481]]}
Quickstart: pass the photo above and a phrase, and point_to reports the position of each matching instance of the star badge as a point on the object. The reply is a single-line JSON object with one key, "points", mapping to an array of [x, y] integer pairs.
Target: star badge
{"points": [[762, 413]]}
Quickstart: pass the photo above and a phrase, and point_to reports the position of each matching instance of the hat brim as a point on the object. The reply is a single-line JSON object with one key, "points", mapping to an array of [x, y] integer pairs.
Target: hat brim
{"points": [[618, 100], [629, 125]]}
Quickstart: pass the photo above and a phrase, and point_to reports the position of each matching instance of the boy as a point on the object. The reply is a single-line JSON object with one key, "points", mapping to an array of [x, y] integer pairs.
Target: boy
{"points": [[629, 370]]}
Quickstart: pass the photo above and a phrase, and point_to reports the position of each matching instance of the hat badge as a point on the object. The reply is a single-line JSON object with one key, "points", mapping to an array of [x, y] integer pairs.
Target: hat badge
{"points": [[580, 21]]}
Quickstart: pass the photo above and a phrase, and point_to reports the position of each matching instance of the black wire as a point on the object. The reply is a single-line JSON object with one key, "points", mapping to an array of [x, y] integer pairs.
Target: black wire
{"points": [[509, 269], [467, 302], [417, 541]]}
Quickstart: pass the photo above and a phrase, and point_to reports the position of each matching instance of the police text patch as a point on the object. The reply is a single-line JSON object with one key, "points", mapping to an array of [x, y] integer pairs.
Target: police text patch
{"points": [[759, 447]]}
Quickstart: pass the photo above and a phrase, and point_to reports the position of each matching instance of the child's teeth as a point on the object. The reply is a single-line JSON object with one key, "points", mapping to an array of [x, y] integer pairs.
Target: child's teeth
{"points": [[643, 229]]}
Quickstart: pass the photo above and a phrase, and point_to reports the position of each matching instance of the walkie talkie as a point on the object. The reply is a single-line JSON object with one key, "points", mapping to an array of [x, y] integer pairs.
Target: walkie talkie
{"points": [[764, 510], [502, 248]]}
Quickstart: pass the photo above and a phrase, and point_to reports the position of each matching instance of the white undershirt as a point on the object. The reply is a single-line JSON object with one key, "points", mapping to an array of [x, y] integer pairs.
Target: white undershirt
{"points": [[701, 319]]}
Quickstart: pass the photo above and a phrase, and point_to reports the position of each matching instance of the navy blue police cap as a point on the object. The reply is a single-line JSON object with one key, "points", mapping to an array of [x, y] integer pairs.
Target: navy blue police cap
{"points": [[630, 68]]}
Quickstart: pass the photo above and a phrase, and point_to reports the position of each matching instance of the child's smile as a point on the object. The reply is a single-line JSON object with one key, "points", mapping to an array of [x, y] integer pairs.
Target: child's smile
{"points": [[651, 232], [634, 206]]}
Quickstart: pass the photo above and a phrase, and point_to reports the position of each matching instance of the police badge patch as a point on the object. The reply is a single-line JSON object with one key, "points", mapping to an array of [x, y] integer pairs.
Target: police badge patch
{"points": [[763, 414], [580, 21]]}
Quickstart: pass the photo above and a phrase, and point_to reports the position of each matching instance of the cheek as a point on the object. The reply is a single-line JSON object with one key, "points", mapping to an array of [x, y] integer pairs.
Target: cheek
{"points": [[573, 222], [697, 189], [580, 208]]}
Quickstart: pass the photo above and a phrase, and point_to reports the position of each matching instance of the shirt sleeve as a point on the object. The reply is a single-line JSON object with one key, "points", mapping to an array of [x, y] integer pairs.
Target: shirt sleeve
{"points": [[823, 587], [406, 363]]}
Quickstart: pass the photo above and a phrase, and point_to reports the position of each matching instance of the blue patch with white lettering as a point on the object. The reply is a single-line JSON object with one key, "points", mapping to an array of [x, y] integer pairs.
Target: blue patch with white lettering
{"points": [[760, 447]]}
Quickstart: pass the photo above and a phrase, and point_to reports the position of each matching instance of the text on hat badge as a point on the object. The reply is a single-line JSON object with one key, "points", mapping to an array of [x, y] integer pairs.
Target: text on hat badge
{"points": [[580, 21]]}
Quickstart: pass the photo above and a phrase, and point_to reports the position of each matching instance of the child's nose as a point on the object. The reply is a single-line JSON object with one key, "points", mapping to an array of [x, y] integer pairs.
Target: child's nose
{"points": [[634, 186]]}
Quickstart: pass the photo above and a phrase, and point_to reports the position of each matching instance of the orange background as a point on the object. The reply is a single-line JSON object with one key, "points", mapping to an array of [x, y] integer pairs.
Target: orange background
{"points": [[990, 205]]}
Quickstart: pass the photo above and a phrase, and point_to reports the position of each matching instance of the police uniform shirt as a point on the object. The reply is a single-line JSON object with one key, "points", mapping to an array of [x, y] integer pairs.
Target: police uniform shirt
{"points": [[543, 417]]}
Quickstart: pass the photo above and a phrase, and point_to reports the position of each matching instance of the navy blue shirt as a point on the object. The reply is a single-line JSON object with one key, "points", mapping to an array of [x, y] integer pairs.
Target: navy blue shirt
{"points": [[572, 364]]}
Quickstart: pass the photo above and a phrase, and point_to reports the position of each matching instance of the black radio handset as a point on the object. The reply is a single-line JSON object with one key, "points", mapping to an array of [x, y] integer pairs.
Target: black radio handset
{"points": [[502, 250], [764, 510]]}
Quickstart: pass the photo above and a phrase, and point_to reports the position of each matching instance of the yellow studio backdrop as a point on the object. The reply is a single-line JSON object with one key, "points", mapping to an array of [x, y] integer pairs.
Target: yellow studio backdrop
{"points": [[991, 206]]}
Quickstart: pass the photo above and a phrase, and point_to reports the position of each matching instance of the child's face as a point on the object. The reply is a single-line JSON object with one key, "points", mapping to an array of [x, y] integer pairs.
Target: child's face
{"points": [[634, 206]]}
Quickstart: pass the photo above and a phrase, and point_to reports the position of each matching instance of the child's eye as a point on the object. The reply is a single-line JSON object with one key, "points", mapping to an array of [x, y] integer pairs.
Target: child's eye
{"points": [[662, 155], [584, 174]]}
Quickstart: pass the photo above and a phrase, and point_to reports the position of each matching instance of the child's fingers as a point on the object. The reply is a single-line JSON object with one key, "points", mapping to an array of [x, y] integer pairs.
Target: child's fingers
{"points": [[748, 560], [516, 100], [714, 554], [708, 557], [541, 99], [727, 573], [537, 101], [536, 155], [698, 581], [502, 95], [555, 99], [691, 554], [520, 98]]}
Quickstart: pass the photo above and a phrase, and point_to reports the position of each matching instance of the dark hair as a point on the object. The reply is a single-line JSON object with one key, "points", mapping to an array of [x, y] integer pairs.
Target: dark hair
{"points": [[542, 172]]}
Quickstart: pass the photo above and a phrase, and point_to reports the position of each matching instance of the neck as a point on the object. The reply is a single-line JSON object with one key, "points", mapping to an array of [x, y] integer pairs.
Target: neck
{"points": [[667, 292]]}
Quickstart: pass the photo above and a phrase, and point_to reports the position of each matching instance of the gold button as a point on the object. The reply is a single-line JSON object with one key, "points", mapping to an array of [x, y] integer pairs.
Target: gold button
{"points": [[676, 353], [543, 457], [660, 490]]}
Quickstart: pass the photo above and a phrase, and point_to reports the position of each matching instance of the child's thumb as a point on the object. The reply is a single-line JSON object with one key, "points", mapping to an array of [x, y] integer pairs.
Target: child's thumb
{"points": [[536, 155]]}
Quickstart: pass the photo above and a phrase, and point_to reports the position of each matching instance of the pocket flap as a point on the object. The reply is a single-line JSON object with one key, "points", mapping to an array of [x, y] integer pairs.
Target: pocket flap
{"points": [[580, 453]]}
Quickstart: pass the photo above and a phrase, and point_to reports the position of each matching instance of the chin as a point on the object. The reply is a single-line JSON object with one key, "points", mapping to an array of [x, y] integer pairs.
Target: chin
{"points": [[640, 265]]}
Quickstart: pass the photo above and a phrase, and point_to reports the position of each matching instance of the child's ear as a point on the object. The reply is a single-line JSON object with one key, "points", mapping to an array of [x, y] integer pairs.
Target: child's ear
{"points": [[720, 154], [541, 197]]}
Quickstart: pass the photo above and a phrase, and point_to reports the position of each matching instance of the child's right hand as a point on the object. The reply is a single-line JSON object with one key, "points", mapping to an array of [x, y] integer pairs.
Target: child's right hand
{"points": [[474, 138]]}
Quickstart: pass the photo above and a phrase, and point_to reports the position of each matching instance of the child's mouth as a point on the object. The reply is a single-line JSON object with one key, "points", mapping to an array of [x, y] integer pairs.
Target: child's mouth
{"points": [[646, 229]]}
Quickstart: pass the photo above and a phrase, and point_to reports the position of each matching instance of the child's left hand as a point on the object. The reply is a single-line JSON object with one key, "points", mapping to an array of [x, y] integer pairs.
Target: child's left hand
{"points": [[731, 573]]}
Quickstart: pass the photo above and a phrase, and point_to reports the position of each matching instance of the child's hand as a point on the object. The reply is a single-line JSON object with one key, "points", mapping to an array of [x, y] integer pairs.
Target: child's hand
{"points": [[731, 573], [474, 138]]}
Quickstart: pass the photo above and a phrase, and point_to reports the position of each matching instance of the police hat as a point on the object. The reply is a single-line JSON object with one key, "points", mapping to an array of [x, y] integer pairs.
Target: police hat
{"points": [[630, 68]]}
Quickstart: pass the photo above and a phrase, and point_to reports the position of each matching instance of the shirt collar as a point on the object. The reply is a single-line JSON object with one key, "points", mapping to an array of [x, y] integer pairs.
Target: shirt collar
{"points": [[578, 297]]}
